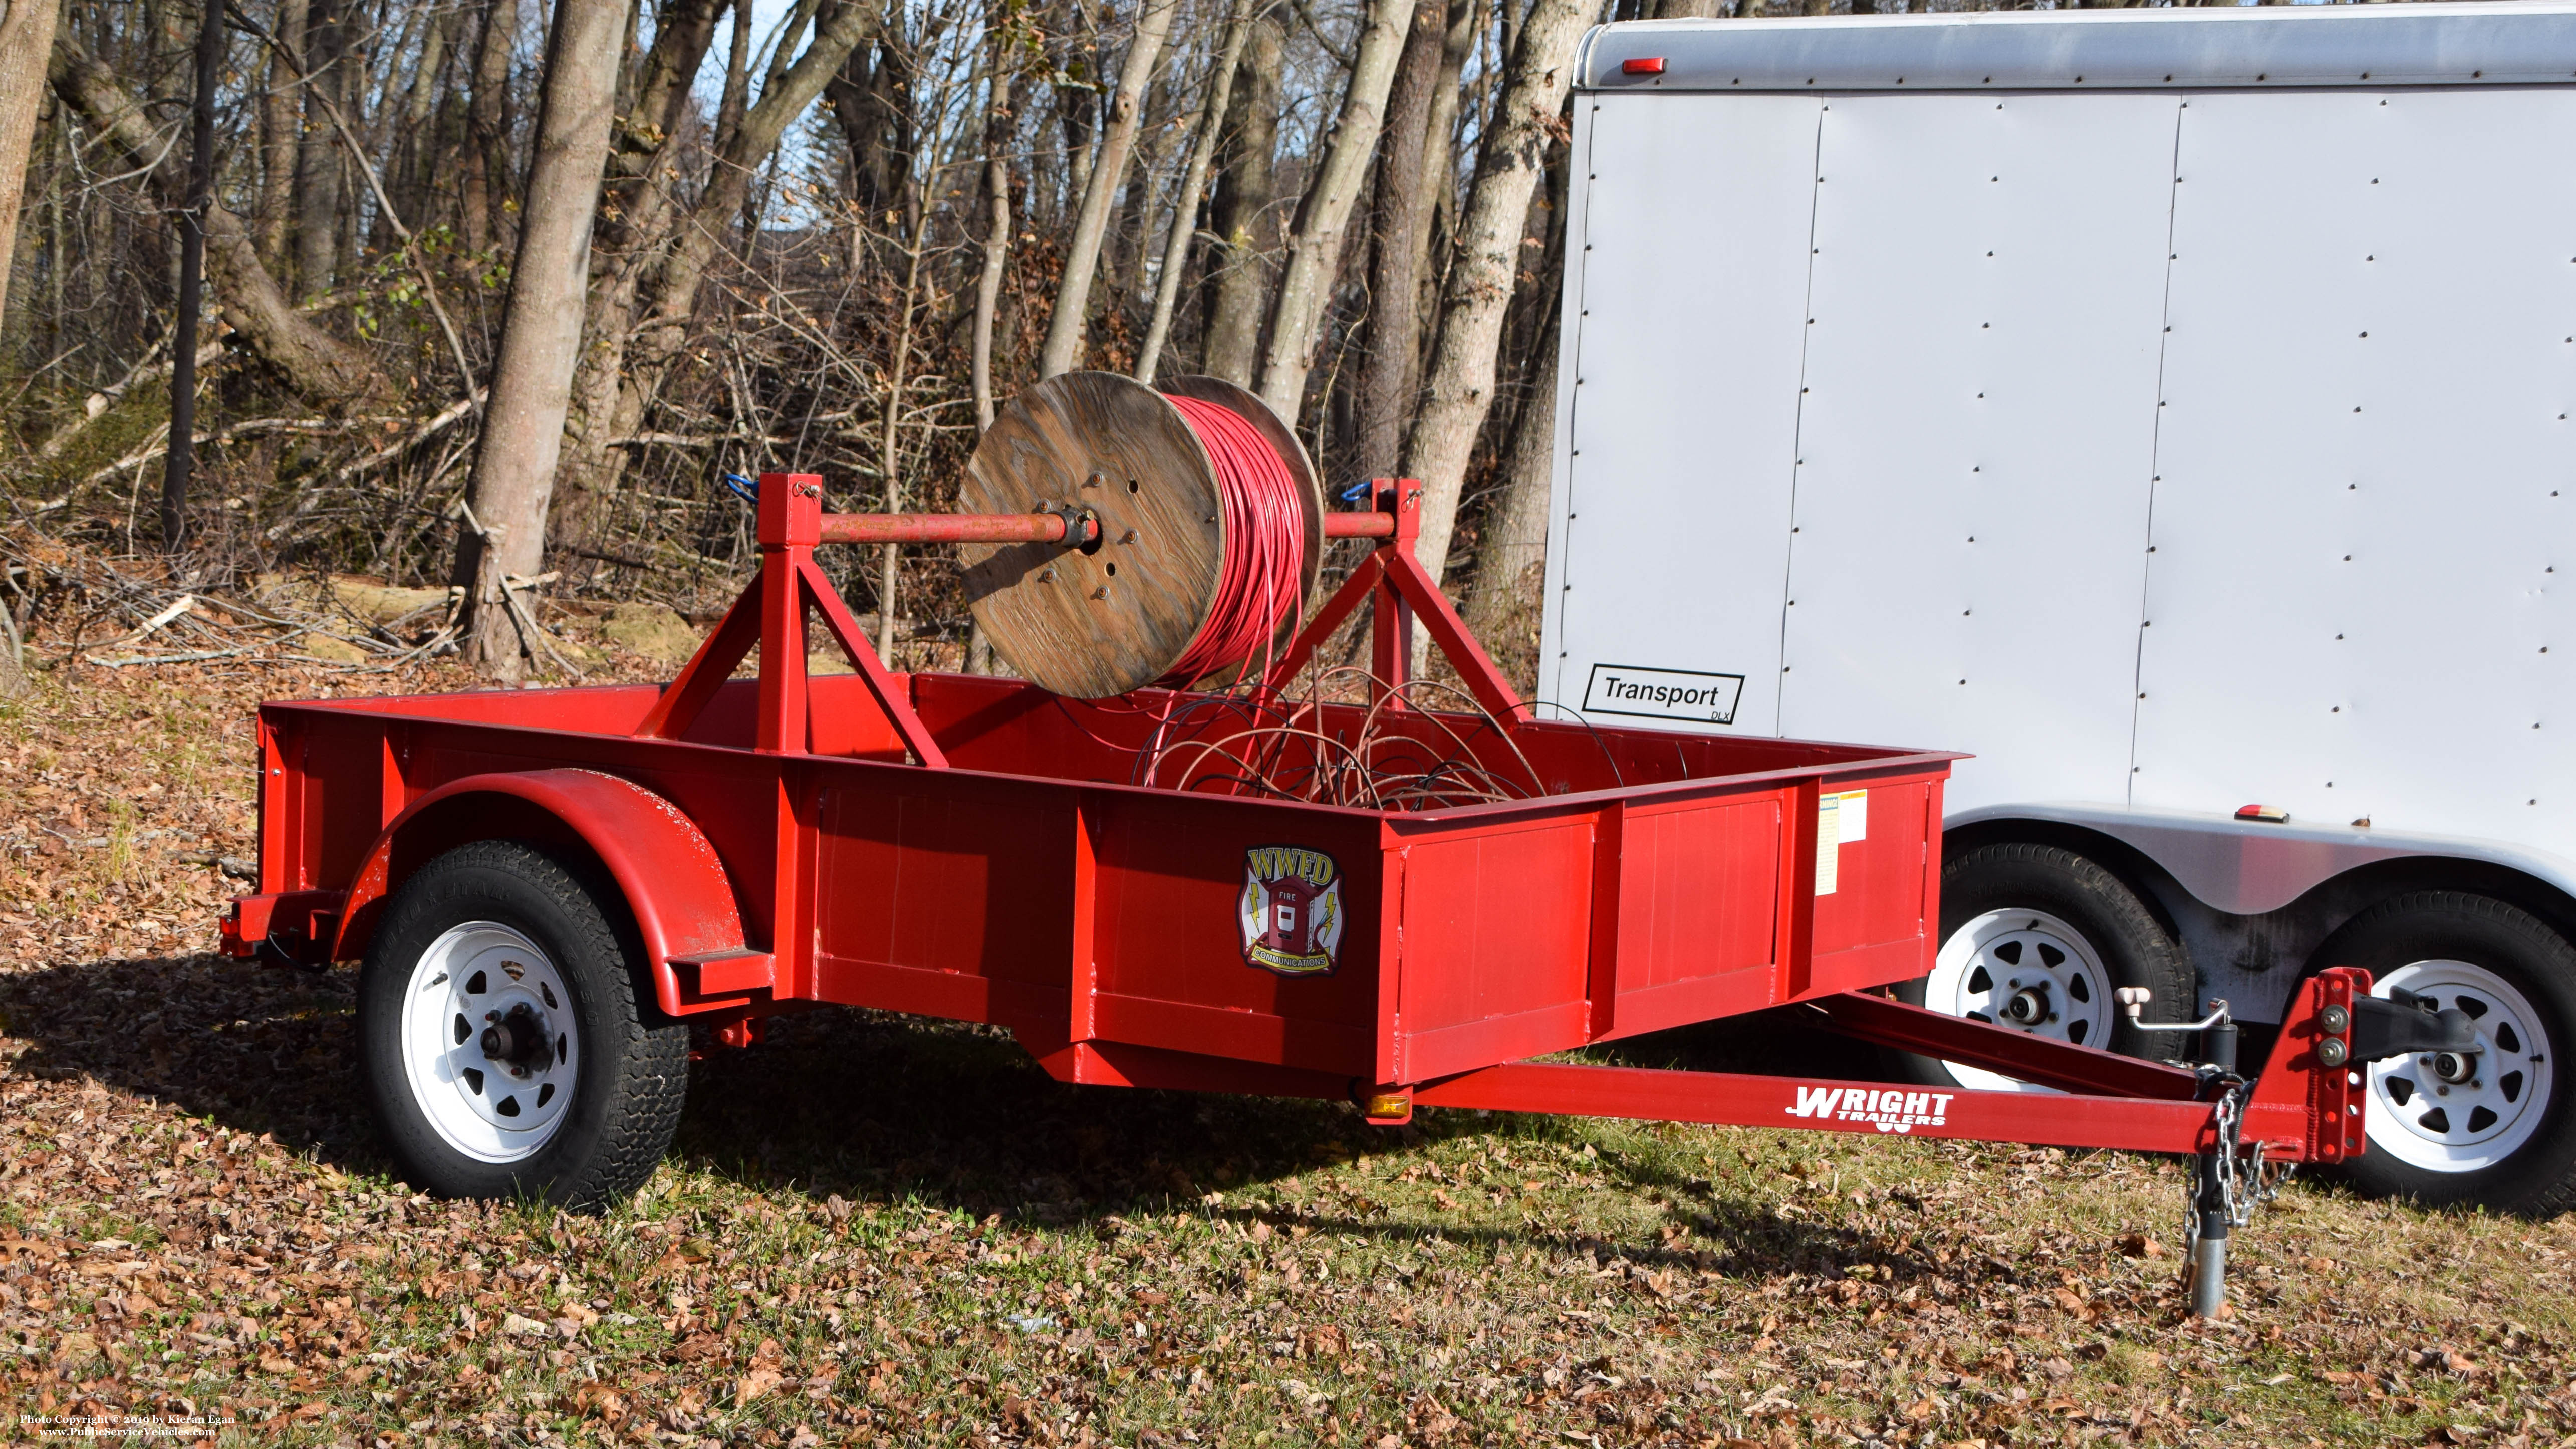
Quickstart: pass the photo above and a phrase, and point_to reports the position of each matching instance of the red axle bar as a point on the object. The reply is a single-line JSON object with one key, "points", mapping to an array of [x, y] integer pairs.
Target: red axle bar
{"points": [[948, 528], [1026, 527]]}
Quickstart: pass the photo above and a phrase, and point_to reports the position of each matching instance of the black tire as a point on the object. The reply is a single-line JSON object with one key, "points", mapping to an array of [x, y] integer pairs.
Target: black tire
{"points": [[626, 1065], [2537, 1177], [2123, 938]]}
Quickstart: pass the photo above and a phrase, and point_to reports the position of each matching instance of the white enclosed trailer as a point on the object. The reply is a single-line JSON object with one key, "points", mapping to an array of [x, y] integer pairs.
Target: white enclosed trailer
{"points": [[2170, 406]]}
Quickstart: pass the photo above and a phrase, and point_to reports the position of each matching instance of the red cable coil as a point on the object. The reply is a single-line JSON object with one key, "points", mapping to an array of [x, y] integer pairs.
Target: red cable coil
{"points": [[1265, 544]]}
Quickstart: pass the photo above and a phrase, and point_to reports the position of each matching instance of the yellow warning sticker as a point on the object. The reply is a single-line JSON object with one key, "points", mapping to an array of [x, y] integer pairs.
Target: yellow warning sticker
{"points": [[1842, 817], [1854, 815], [1828, 843]]}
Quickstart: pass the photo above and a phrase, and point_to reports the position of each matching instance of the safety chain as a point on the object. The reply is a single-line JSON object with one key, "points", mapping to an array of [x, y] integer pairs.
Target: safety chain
{"points": [[2243, 1184]]}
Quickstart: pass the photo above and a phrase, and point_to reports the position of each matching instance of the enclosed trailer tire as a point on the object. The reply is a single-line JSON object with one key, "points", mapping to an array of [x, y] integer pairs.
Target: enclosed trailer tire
{"points": [[2492, 1127], [507, 1050], [2037, 938]]}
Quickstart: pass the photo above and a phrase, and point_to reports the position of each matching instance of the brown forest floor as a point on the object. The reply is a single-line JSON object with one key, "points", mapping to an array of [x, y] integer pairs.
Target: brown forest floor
{"points": [[880, 1230]]}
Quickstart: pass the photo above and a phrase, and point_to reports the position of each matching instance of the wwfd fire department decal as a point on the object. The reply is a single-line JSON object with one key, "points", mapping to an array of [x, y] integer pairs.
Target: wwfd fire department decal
{"points": [[1895, 1110], [1292, 910]]}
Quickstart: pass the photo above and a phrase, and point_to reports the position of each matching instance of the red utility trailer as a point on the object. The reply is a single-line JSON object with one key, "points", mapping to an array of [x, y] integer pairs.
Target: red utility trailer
{"points": [[547, 886]]}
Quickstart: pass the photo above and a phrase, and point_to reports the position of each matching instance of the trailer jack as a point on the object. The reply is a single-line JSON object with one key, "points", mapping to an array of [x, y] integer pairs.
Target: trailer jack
{"points": [[2225, 1188]]}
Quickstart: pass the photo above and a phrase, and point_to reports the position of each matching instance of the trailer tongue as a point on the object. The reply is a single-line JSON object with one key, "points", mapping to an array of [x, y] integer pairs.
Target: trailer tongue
{"points": [[547, 886]]}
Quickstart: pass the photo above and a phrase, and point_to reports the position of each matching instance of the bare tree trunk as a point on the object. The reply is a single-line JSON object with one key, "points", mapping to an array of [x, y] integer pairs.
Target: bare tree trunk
{"points": [[998, 126], [1075, 115], [1461, 382], [316, 364], [1066, 324], [13, 665], [682, 32], [1503, 593], [352, 102], [841, 29], [1185, 206], [58, 145], [637, 210], [890, 559], [317, 158], [681, 243], [997, 227], [1386, 375], [864, 96], [1440, 161], [487, 149], [181, 459], [278, 108], [514, 464], [1315, 245], [1123, 242], [416, 144], [26, 47], [1241, 218], [1504, 596]]}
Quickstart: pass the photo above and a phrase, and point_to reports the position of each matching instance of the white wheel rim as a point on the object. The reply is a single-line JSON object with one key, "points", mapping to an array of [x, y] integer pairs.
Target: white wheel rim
{"points": [[2032, 957], [493, 1107], [2462, 1115]]}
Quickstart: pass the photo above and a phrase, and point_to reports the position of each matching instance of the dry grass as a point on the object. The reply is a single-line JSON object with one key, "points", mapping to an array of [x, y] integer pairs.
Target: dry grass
{"points": [[875, 1229]]}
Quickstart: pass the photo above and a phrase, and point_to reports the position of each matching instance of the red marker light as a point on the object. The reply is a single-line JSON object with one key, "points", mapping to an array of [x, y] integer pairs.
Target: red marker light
{"points": [[2271, 814], [1644, 65]]}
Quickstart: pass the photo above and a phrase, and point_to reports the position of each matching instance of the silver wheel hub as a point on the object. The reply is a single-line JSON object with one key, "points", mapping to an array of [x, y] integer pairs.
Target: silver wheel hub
{"points": [[2027, 970], [2462, 1111], [488, 1045]]}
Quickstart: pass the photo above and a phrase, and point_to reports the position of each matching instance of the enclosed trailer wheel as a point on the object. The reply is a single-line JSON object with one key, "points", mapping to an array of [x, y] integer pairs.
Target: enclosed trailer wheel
{"points": [[2494, 1126], [2037, 938], [506, 1047]]}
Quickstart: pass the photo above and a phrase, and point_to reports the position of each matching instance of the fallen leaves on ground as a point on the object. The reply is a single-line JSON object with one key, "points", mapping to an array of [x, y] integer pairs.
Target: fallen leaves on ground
{"points": [[882, 1230]]}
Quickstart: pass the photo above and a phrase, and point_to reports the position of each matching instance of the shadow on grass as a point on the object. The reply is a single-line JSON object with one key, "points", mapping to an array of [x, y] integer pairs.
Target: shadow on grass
{"points": [[865, 1105], [256, 1049]]}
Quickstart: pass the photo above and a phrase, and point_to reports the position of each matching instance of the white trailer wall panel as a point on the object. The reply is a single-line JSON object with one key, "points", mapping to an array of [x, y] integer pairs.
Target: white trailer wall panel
{"points": [[2365, 443], [2258, 558], [1683, 447], [1978, 431]]}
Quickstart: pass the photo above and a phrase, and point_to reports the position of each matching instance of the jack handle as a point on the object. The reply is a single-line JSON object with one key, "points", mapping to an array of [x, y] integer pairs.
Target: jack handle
{"points": [[2221, 1028]]}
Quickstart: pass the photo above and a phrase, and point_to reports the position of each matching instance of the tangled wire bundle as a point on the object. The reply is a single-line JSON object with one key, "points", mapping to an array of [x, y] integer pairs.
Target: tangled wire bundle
{"points": [[1400, 755]]}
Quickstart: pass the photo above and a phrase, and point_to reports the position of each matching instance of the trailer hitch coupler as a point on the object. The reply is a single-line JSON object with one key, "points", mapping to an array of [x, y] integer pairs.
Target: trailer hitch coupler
{"points": [[2403, 1023]]}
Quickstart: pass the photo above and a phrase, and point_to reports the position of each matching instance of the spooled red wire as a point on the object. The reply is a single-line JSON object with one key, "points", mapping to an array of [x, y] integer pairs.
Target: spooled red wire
{"points": [[1265, 544]]}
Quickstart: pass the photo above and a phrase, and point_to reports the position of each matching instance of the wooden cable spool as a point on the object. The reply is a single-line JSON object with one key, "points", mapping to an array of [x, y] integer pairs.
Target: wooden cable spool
{"points": [[1117, 614]]}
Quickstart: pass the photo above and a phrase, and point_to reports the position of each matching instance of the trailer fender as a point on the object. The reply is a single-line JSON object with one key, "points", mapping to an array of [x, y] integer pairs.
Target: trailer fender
{"points": [[672, 880]]}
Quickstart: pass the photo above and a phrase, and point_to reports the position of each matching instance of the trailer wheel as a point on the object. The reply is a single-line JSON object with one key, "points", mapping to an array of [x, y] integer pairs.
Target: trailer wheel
{"points": [[2037, 938], [506, 1049], [2491, 1127]]}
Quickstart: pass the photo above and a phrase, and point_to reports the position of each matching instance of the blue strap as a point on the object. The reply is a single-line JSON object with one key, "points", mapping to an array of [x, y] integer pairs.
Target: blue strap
{"points": [[746, 489]]}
